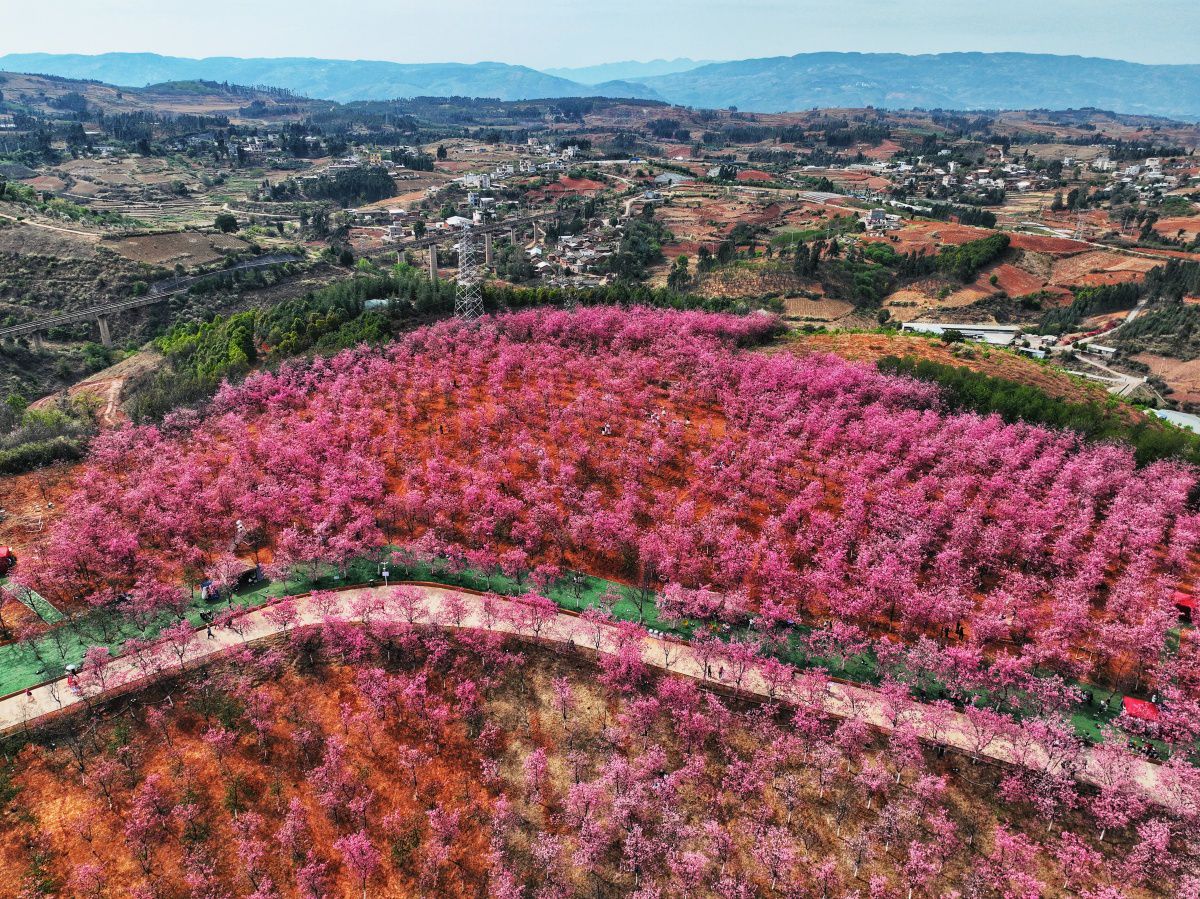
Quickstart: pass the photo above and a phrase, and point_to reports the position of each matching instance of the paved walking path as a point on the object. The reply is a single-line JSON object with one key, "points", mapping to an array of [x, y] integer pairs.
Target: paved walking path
{"points": [[35, 602], [835, 698]]}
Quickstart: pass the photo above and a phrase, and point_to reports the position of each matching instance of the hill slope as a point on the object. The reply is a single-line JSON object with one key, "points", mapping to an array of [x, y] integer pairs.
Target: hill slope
{"points": [[888, 80], [42, 94], [328, 79], [947, 80]]}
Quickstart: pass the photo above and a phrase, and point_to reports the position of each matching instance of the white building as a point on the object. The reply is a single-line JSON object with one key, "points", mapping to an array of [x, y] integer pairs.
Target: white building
{"points": [[997, 335]]}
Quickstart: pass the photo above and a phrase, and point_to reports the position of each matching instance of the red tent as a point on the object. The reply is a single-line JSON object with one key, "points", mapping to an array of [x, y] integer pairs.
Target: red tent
{"points": [[1140, 709], [1185, 603]]}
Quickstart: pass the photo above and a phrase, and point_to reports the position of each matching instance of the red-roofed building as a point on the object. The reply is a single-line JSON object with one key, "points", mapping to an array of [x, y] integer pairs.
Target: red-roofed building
{"points": [[1140, 709]]}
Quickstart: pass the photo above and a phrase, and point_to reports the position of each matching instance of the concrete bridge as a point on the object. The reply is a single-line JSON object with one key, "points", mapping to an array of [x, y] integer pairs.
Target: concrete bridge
{"points": [[159, 292]]}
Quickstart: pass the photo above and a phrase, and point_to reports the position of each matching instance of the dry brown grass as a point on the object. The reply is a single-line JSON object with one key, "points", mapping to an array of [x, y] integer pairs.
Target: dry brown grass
{"points": [[186, 248], [996, 363]]}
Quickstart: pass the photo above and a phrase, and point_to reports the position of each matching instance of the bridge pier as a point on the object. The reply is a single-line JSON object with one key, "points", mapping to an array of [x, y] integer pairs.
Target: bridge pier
{"points": [[488, 255], [36, 339], [105, 333], [433, 262], [512, 236]]}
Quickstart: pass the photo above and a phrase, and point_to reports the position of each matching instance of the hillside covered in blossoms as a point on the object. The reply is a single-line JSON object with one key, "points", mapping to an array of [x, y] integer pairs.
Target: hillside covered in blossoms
{"points": [[797, 527]]}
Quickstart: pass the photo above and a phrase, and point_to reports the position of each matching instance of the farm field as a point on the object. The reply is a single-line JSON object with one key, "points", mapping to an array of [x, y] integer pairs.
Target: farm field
{"points": [[183, 248], [1183, 376], [1185, 225]]}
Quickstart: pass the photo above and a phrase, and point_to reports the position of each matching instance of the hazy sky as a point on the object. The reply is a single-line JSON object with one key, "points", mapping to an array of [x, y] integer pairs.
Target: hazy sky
{"points": [[544, 33]]}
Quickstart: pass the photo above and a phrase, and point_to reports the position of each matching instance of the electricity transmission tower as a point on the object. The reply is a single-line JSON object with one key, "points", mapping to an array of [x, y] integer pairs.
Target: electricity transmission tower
{"points": [[468, 297], [1079, 226]]}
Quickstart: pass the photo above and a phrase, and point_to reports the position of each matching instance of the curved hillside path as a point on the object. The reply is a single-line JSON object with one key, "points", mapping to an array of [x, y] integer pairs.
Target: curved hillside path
{"points": [[839, 699], [91, 235]]}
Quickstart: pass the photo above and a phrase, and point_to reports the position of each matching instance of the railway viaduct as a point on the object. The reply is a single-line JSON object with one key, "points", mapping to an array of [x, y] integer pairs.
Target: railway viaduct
{"points": [[103, 313]]}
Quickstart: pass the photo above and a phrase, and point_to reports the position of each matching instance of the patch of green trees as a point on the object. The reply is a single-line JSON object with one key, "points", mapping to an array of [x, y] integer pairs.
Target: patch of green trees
{"points": [[971, 391], [965, 260], [368, 308], [31, 438], [640, 246]]}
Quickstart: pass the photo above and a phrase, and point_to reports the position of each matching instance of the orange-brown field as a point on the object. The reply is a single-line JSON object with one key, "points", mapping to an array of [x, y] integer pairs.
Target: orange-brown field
{"points": [[1182, 376], [30, 502], [997, 363], [1099, 267], [1181, 226], [698, 218], [185, 248]]}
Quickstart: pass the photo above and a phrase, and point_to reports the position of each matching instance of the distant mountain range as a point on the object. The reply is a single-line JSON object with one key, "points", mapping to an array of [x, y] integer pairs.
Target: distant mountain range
{"points": [[946, 80], [628, 70], [325, 79], [962, 81]]}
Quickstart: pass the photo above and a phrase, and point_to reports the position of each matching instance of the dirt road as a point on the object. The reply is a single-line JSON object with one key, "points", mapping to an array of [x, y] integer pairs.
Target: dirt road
{"points": [[108, 384], [90, 235]]}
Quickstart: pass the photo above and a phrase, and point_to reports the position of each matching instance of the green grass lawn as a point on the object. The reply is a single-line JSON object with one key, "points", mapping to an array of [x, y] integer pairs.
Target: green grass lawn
{"points": [[35, 601]]}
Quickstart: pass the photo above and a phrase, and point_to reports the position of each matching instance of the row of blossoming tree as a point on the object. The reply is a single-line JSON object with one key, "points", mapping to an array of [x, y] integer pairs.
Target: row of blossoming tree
{"points": [[408, 756], [968, 556]]}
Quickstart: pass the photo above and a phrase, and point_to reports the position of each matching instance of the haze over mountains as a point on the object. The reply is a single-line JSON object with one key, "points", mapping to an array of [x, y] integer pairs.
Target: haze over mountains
{"points": [[325, 79], [945, 80], [628, 70], [890, 80]]}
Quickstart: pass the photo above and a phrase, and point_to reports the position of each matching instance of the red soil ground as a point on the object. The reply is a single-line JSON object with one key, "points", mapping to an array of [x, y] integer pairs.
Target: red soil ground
{"points": [[886, 150], [456, 166], [82, 829], [574, 186], [687, 248], [929, 237], [1099, 267], [1053, 245], [754, 175], [997, 363], [1170, 254], [75, 801], [1104, 279], [565, 187], [766, 216], [1014, 281], [1183, 377], [14, 616], [30, 502], [1170, 227]]}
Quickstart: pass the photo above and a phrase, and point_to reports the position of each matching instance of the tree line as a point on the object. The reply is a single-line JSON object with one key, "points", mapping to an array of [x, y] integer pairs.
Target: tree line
{"points": [[1168, 283], [203, 354], [965, 390]]}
